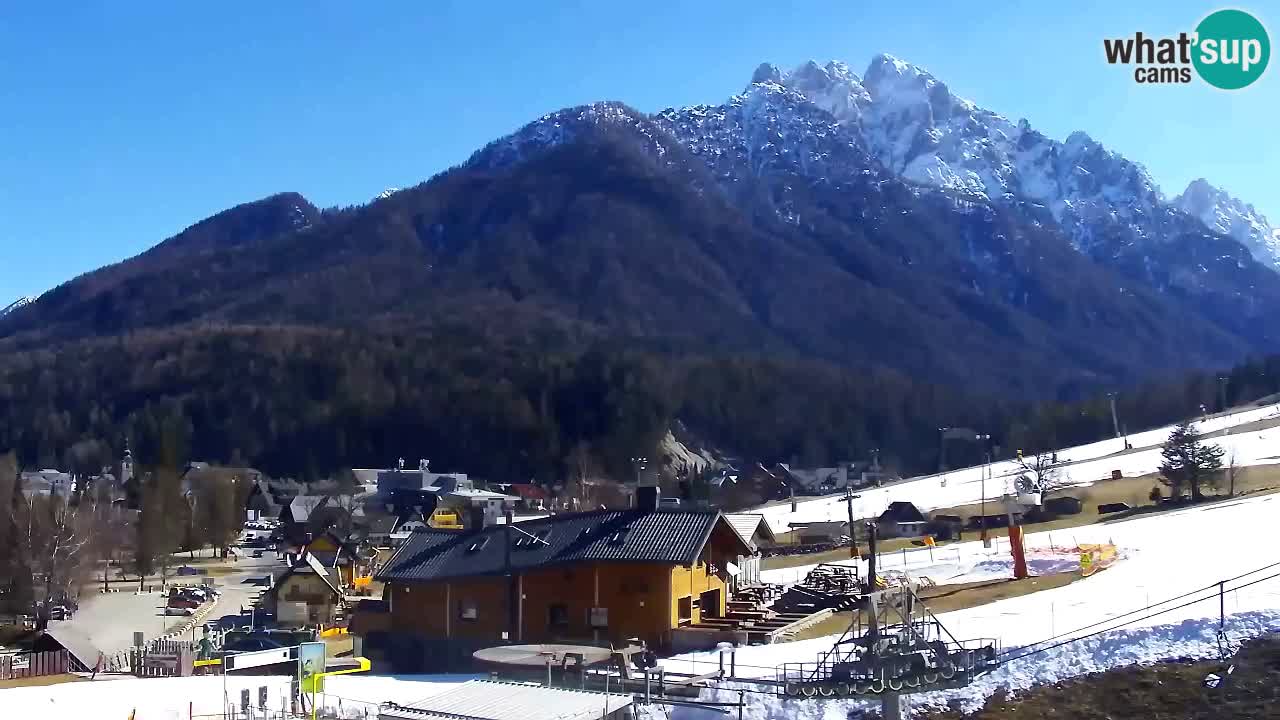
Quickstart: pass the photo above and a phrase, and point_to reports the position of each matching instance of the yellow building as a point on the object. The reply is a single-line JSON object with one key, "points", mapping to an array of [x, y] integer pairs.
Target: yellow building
{"points": [[595, 578]]}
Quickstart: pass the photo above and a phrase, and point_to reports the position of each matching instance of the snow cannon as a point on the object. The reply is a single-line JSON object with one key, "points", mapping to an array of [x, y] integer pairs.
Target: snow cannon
{"points": [[1027, 493]]}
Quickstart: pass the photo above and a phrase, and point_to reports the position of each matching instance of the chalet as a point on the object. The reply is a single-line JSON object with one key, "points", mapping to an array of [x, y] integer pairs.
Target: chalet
{"points": [[306, 594], [339, 556], [259, 504], [901, 519], [732, 488], [595, 577], [307, 517], [753, 528], [755, 532], [946, 527]]}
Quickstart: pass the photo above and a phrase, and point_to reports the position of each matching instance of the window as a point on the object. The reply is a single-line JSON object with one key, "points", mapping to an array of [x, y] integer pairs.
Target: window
{"points": [[467, 610], [686, 609], [558, 616], [598, 618]]}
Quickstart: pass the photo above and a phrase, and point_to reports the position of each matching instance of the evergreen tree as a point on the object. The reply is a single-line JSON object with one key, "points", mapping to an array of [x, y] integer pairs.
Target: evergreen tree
{"points": [[1188, 463]]}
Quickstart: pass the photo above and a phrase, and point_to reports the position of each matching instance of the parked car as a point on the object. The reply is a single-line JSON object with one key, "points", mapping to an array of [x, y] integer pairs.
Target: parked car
{"points": [[182, 601], [181, 611], [59, 612], [257, 553], [187, 570]]}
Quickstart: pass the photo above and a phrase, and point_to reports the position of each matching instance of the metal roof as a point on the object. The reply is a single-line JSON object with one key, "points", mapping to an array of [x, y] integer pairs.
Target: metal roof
{"points": [[665, 536], [490, 700], [748, 524], [78, 645]]}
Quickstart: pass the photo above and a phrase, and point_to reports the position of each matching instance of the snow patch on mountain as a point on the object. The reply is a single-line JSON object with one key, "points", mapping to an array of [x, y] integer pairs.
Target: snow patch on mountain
{"points": [[917, 128], [16, 305], [1225, 214], [568, 125]]}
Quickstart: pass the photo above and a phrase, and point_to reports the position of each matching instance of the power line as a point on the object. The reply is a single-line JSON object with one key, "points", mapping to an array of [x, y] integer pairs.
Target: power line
{"points": [[1131, 622], [1213, 586]]}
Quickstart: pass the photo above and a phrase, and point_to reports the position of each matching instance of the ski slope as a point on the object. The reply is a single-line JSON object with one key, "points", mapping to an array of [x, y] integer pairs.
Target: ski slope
{"points": [[350, 696], [1081, 465], [1163, 556]]}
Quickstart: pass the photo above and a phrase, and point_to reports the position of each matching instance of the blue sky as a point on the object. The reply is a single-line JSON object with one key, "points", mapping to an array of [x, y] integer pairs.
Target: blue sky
{"points": [[122, 123]]}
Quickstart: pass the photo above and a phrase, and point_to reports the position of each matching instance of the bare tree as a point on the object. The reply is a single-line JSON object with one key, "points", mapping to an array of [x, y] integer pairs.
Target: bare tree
{"points": [[59, 528], [15, 573], [1042, 469]]}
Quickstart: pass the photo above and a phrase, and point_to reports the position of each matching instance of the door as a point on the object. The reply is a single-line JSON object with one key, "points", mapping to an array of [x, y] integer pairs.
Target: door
{"points": [[709, 603]]}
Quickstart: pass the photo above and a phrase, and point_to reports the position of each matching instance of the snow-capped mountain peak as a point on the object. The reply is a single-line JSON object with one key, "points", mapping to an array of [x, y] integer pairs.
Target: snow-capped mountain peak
{"points": [[16, 304], [1228, 215]]}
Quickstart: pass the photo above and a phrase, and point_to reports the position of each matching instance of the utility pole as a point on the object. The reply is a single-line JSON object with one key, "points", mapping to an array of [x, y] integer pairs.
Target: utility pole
{"points": [[853, 535], [1222, 392], [942, 449], [1115, 419], [985, 439]]}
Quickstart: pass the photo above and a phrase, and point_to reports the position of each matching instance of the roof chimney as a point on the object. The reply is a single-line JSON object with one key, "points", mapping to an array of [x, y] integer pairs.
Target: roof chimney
{"points": [[647, 497]]}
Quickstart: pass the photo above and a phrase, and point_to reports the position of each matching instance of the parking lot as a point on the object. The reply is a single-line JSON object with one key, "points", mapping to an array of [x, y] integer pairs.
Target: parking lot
{"points": [[110, 619]]}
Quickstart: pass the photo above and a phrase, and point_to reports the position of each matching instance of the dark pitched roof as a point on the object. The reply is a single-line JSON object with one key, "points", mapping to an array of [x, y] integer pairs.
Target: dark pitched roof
{"points": [[665, 536], [902, 512]]}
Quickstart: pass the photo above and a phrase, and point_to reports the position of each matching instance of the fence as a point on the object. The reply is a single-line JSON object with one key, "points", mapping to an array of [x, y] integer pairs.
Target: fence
{"points": [[28, 665]]}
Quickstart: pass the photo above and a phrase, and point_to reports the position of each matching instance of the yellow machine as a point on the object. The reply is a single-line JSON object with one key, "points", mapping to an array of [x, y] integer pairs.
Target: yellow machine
{"points": [[445, 519]]}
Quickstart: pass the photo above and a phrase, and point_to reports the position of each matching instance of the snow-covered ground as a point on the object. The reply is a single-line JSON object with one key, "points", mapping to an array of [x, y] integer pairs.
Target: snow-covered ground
{"points": [[176, 698], [1163, 556], [1082, 465]]}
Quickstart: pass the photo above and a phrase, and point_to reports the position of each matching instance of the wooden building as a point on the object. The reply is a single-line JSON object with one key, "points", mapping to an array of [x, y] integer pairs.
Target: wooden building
{"points": [[306, 594], [593, 577]]}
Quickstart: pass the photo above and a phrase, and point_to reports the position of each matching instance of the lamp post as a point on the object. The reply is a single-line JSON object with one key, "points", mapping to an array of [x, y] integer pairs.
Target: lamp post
{"points": [[942, 449], [639, 463], [985, 439]]}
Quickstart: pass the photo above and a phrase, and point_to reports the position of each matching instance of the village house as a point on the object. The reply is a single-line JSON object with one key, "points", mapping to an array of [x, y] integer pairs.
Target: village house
{"points": [[593, 577], [339, 556], [753, 528], [308, 593], [901, 519]]}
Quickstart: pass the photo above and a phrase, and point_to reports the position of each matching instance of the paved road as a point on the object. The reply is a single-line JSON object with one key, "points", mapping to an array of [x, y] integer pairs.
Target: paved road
{"points": [[109, 620]]}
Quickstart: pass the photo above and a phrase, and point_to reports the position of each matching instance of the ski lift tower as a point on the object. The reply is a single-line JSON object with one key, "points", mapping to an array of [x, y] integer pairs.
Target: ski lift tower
{"points": [[894, 645]]}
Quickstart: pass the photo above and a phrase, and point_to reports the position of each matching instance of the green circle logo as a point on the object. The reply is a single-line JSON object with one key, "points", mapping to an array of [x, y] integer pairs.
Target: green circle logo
{"points": [[1232, 49]]}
